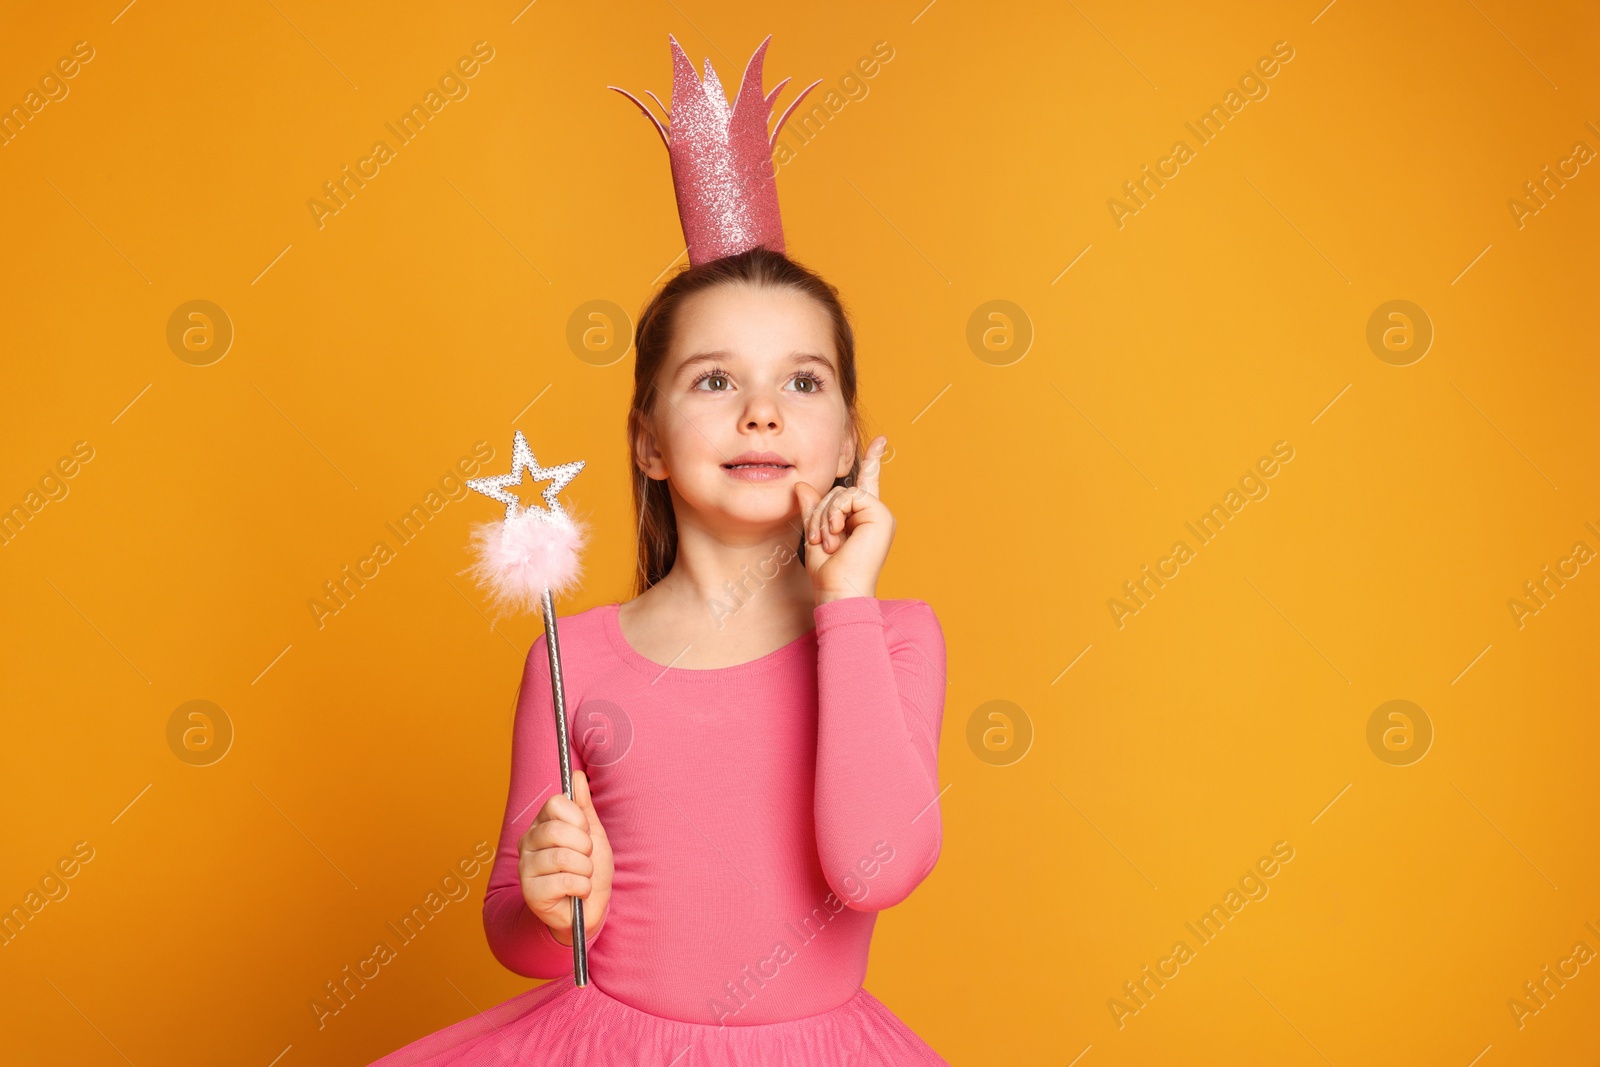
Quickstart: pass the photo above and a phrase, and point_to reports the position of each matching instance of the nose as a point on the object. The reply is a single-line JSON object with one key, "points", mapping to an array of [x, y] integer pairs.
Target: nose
{"points": [[761, 412]]}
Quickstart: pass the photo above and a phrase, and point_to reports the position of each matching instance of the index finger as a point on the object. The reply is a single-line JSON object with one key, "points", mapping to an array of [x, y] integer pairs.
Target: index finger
{"points": [[871, 463], [560, 807]]}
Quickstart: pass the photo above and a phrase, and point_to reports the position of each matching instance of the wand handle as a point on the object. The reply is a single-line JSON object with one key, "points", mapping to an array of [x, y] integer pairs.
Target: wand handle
{"points": [[580, 951]]}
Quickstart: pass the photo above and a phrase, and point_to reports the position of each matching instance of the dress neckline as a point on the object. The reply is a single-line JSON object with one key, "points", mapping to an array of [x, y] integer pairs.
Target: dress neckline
{"points": [[654, 670]]}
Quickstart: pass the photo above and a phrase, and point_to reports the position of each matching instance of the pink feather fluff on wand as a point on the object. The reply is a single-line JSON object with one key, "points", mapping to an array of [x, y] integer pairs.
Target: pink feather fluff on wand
{"points": [[517, 559]]}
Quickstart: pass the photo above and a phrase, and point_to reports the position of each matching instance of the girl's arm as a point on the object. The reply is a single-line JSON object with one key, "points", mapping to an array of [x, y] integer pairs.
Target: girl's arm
{"points": [[880, 691], [518, 939]]}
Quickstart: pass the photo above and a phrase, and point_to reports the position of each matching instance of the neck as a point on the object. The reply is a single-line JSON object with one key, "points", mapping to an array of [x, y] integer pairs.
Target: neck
{"points": [[754, 570]]}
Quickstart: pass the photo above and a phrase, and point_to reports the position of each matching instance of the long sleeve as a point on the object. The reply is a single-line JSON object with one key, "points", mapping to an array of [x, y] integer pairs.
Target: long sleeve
{"points": [[517, 937], [880, 693]]}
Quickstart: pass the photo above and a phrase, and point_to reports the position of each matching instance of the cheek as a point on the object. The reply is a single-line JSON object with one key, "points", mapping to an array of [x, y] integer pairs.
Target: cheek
{"points": [[692, 440], [823, 432]]}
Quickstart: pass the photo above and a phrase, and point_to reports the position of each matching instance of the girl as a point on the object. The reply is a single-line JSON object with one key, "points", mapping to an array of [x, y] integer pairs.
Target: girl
{"points": [[755, 741]]}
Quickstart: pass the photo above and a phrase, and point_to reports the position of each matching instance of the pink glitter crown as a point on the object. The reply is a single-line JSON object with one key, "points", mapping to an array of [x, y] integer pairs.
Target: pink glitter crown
{"points": [[722, 157]]}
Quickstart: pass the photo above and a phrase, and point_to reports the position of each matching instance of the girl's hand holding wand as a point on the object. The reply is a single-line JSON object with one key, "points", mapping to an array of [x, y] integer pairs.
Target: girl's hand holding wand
{"points": [[848, 532], [565, 854]]}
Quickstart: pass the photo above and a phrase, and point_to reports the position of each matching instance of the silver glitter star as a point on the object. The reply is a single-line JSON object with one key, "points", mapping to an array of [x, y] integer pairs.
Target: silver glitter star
{"points": [[496, 485]]}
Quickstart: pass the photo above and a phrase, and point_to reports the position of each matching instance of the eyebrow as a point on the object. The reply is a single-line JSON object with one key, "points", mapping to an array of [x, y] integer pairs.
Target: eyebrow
{"points": [[801, 358]]}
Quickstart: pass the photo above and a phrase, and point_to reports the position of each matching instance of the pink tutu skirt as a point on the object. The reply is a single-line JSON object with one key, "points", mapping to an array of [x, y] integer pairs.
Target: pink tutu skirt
{"points": [[560, 1025]]}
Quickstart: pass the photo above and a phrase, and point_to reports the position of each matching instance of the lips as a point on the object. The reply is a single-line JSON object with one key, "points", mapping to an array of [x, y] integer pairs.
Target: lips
{"points": [[766, 460]]}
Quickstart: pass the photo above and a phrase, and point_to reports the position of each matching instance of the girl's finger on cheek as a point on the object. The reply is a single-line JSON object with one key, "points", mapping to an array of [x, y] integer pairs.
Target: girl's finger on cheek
{"points": [[820, 515], [808, 506]]}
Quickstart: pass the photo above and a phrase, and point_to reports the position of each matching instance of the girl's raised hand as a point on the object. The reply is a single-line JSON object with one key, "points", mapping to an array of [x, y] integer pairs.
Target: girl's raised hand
{"points": [[565, 854], [848, 532]]}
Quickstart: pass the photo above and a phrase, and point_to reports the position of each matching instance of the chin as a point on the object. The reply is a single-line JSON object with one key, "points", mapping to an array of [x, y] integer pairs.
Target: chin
{"points": [[747, 512]]}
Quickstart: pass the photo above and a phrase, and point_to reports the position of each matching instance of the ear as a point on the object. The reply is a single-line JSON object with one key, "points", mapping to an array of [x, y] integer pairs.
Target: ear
{"points": [[646, 455], [847, 453]]}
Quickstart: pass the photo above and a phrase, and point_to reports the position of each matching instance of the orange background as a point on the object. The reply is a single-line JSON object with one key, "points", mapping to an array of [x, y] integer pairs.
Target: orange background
{"points": [[1030, 481]]}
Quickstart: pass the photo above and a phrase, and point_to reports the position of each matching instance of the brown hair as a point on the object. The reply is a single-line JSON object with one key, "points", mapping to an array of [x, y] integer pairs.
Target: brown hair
{"points": [[652, 501]]}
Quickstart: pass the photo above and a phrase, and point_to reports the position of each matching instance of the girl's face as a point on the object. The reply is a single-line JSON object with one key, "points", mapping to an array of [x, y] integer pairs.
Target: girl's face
{"points": [[750, 370]]}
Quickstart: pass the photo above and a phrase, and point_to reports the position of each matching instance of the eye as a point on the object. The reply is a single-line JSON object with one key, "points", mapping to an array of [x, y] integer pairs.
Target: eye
{"points": [[714, 372], [813, 382]]}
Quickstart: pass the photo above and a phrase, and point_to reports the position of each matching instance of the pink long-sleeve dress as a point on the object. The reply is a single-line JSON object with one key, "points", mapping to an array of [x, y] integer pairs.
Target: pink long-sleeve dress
{"points": [[760, 816]]}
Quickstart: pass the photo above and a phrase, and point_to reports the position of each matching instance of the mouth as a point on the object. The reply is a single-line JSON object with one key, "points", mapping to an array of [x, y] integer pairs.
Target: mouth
{"points": [[758, 466], [758, 461]]}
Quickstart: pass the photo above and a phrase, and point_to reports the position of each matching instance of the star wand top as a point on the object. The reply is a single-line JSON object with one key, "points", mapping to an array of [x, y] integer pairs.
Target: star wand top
{"points": [[535, 550]]}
